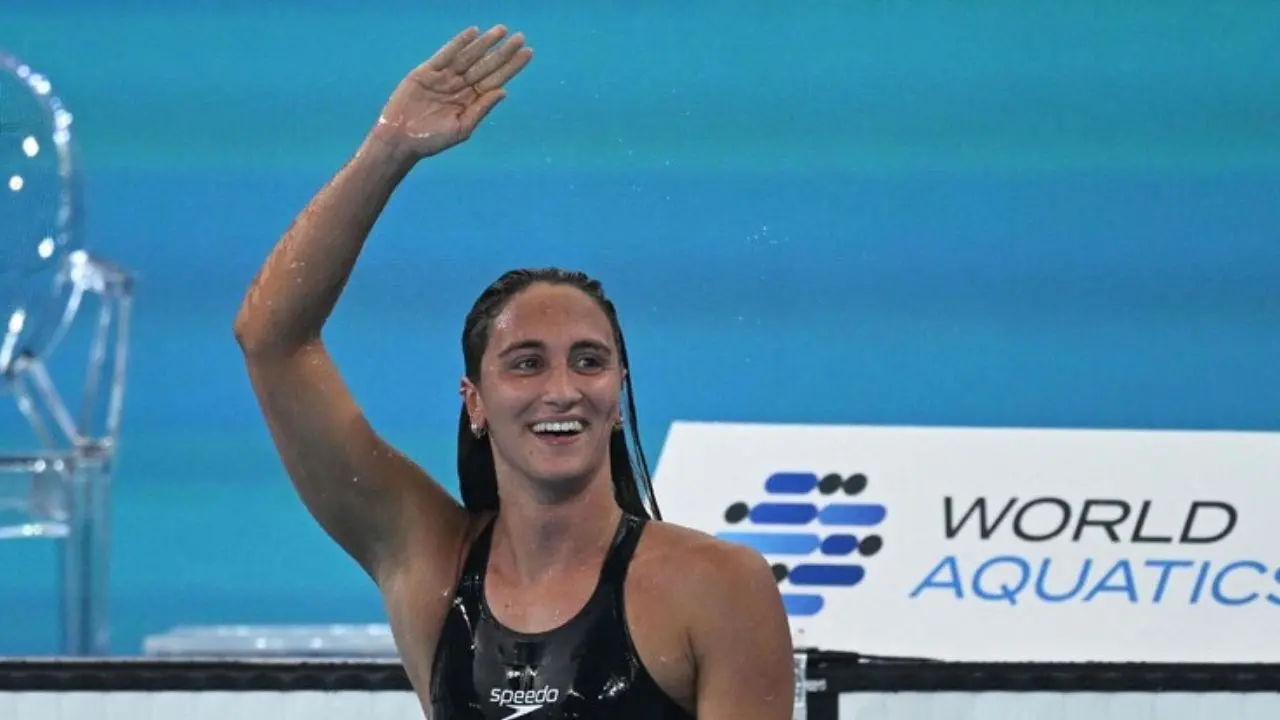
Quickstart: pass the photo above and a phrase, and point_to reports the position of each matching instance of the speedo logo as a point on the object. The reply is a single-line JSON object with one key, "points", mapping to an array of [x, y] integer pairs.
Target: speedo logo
{"points": [[523, 702]]}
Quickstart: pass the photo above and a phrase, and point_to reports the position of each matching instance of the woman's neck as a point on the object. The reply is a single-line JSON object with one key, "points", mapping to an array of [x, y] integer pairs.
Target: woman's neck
{"points": [[533, 539]]}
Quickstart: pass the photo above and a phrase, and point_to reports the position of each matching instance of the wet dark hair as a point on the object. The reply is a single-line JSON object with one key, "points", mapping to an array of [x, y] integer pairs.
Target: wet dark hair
{"points": [[477, 477]]}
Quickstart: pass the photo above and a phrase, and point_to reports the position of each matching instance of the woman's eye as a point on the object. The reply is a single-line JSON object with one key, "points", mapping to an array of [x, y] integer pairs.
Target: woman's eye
{"points": [[588, 363], [527, 363]]}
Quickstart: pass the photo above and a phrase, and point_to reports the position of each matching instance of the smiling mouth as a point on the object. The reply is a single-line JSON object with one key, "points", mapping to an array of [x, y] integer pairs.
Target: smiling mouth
{"points": [[558, 429]]}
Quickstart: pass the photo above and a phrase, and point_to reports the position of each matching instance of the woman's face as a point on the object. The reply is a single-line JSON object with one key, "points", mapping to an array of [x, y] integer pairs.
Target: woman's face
{"points": [[550, 383]]}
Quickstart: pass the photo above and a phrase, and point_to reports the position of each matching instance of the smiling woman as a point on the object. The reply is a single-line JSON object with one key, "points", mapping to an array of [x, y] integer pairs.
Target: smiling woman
{"points": [[509, 332], [551, 588]]}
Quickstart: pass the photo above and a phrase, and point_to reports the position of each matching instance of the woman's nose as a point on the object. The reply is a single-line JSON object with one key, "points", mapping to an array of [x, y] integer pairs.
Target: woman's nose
{"points": [[562, 385]]}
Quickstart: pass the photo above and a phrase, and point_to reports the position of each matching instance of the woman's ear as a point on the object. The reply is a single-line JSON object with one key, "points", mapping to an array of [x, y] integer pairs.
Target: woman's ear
{"points": [[471, 401]]}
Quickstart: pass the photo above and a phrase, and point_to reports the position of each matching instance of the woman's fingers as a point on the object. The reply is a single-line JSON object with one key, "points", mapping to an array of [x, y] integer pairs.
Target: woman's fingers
{"points": [[494, 60], [504, 72], [469, 59], [476, 111], [446, 54], [476, 49]]}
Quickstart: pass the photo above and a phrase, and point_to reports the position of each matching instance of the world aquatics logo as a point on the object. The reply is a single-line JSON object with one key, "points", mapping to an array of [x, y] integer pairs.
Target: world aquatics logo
{"points": [[812, 545]]}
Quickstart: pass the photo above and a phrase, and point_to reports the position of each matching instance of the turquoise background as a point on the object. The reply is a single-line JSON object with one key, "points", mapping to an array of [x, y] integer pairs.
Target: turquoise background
{"points": [[985, 213]]}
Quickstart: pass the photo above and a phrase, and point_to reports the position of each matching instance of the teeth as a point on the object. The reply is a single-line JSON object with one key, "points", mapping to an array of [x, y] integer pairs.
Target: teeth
{"points": [[566, 426]]}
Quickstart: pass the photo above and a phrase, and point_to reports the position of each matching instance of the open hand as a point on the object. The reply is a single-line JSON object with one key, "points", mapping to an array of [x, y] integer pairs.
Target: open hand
{"points": [[440, 103]]}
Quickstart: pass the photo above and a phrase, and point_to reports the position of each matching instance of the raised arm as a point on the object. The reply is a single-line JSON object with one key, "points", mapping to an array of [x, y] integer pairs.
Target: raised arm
{"points": [[370, 499]]}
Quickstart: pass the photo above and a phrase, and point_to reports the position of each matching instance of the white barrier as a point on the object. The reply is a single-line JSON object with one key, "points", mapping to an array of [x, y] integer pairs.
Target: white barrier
{"points": [[852, 706], [1077, 706], [999, 544]]}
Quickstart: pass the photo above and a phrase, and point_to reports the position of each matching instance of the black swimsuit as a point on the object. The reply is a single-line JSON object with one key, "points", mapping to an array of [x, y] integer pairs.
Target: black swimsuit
{"points": [[587, 668]]}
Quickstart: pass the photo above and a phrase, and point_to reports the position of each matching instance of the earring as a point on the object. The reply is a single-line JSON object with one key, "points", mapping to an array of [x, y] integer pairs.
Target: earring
{"points": [[477, 430], [617, 424]]}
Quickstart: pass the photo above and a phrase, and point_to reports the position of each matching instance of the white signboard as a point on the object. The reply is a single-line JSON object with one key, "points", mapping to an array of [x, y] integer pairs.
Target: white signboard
{"points": [[999, 544]]}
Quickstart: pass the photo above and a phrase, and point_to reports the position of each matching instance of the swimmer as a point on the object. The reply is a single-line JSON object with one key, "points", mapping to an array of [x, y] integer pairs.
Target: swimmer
{"points": [[551, 590]]}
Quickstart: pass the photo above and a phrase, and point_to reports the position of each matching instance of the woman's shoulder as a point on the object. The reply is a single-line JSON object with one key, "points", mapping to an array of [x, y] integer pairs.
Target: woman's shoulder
{"points": [[687, 561]]}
